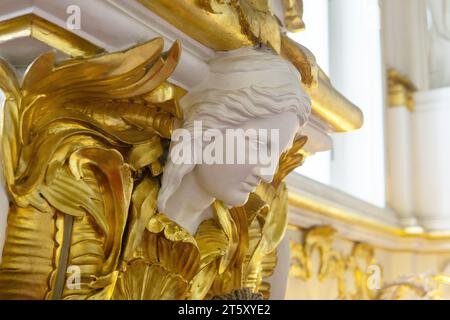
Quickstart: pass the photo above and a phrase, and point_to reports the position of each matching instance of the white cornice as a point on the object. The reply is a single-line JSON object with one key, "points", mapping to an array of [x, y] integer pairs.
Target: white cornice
{"points": [[363, 222]]}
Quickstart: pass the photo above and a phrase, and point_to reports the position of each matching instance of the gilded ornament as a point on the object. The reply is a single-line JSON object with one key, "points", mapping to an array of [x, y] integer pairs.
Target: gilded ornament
{"points": [[83, 146], [401, 90], [77, 142], [293, 15], [333, 264]]}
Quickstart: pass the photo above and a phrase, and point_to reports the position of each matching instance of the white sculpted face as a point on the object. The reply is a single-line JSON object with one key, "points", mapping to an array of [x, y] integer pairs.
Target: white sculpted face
{"points": [[232, 183], [245, 90]]}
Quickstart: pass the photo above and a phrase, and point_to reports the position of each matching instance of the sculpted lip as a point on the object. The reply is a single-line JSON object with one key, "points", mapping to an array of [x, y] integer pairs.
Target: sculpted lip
{"points": [[250, 186], [247, 187]]}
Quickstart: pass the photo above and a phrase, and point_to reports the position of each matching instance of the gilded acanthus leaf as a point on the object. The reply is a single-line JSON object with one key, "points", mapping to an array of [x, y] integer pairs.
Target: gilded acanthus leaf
{"points": [[142, 209], [293, 15], [163, 265], [258, 21], [303, 60], [75, 138], [255, 16], [290, 160]]}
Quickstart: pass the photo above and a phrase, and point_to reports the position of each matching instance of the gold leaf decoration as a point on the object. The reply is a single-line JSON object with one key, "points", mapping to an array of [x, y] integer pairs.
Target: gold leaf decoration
{"points": [[75, 137], [83, 145], [333, 264], [290, 160], [255, 16], [293, 15], [303, 60], [258, 20], [163, 266]]}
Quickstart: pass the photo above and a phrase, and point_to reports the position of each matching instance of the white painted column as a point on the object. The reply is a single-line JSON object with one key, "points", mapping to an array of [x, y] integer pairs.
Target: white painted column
{"points": [[431, 158], [404, 35], [399, 167], [405, 39], [356, 71]]}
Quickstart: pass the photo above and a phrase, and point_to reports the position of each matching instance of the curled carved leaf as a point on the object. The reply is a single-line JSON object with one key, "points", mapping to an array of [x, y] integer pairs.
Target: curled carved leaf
{"points": [[143, 281], [275, 222], [145, 154], [67, 131], [255, 16], [258, 21], [10, 147], [143, 207], [289, 160], [71, 196], [293, 15], [303, 60], [213, 245], [229, 228], [115, 177]]}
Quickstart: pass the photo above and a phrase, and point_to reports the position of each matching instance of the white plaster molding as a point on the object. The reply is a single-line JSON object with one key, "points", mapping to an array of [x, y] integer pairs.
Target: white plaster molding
{"points": [[318, 138], [13, 8], [432, 99], [328, 195], [357, 233]]}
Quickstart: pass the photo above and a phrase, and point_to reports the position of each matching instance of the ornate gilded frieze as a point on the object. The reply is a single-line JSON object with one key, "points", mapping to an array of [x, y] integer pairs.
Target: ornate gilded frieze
{"points": [[356, 272], [426, 286], [333, 264]]}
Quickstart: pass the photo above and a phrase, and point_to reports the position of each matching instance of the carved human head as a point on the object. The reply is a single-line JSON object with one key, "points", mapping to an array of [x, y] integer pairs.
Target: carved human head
{"points": [[250, 89]]}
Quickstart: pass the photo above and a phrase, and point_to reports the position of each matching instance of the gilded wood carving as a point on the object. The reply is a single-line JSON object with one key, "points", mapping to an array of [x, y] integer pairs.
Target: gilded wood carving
{"points": [[333, 264], [83, 146]]}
